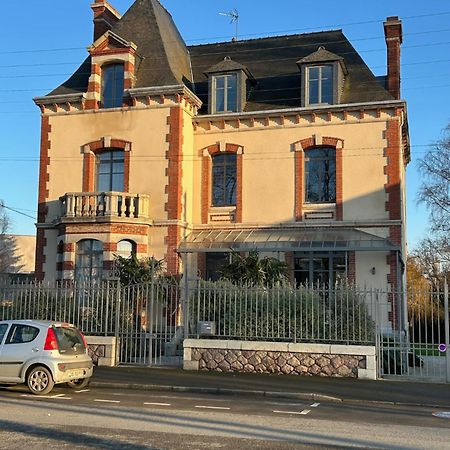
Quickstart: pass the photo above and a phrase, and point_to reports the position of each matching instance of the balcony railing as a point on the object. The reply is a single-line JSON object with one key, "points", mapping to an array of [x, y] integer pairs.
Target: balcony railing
{"points": [[104, 204]]}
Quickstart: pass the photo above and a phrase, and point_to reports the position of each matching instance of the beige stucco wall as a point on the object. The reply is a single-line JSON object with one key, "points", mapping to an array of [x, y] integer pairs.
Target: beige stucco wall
{"points": [[146, 129], [25, 251], [268, 168]]}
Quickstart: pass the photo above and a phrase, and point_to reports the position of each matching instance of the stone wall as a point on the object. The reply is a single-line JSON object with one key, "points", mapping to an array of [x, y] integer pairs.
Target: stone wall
{"points": [[102, 350], [280, 358]]}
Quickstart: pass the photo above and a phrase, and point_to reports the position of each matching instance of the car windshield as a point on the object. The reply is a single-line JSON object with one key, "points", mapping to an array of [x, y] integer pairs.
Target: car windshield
{"points": [[69, 340]]}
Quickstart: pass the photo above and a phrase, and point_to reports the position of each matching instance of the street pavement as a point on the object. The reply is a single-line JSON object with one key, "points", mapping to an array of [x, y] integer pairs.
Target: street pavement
{"points": [[150, 419], [268, 385]]}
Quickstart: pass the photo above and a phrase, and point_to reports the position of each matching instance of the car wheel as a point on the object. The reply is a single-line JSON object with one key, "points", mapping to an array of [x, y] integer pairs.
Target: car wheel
{"points": [[40, 380], [79, 384]]}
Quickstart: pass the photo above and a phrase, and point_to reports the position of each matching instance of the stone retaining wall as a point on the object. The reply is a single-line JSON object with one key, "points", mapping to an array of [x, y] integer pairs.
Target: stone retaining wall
{"points": [[281, 358]]}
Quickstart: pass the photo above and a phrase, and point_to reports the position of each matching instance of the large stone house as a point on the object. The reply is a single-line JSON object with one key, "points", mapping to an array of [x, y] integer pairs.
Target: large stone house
{"points": [[289, 145]]}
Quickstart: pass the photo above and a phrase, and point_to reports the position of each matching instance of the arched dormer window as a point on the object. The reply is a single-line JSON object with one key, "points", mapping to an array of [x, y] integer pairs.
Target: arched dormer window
{"points": [[112, 85]]}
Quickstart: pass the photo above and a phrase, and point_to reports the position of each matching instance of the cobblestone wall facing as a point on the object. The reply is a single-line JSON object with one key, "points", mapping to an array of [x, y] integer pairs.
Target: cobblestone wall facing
{"points": [[308, 364]]}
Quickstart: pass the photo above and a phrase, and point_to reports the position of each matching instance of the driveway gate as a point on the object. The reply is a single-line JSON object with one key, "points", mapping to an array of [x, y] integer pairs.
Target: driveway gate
{"points": [[148, 327]]}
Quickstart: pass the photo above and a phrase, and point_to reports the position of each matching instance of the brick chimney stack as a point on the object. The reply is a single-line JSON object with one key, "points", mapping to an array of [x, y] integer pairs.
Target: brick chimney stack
{"points": [[394, 38], [105, 17]]}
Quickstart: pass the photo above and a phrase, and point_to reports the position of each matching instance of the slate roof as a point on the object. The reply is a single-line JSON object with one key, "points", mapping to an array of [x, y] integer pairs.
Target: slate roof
{"points": [[271, 61]]}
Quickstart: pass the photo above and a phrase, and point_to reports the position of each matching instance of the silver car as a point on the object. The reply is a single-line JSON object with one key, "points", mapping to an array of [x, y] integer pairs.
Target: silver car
{"points": [[42, 354]]}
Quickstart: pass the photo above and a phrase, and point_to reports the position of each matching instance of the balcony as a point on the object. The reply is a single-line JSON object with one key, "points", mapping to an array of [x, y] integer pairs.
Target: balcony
{"points": [[104, 206]]}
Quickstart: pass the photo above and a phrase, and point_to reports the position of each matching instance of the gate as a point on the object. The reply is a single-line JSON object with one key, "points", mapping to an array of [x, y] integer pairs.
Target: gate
{"points": [[420, 349], [148, 327]]}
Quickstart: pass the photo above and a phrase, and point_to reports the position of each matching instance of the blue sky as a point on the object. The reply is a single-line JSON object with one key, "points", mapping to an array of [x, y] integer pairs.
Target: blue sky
{"points": [[44, 41]]}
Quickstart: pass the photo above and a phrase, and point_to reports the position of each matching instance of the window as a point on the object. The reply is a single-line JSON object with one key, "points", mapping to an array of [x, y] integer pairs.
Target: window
{"points": [[112, 85], [69, 340], [3, 328], [320, 172], [125, 249], [22, 334], [215, 262], [320, 85], [225, 93], [224, 179], [89, 260], [322, 268], [110, 171]]}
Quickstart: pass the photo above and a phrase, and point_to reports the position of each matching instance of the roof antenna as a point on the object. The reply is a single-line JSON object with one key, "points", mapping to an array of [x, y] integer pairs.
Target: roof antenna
{"points": [[234, 15]]}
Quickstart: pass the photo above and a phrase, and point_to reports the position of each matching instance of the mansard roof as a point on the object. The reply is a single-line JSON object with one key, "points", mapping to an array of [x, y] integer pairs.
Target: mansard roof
{"points": [[164, 60]]}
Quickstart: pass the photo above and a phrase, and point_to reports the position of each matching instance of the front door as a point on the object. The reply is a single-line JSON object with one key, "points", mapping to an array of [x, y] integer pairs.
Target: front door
{"points": [[19, 346]]}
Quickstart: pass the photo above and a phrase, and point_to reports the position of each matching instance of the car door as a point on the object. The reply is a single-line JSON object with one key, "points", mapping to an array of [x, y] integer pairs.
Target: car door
{"points": [[19, 346], [3, 330]]}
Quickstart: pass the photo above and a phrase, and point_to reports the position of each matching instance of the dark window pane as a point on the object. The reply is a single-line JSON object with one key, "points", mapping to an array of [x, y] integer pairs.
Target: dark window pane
{"points": [[313, 91], [232, 93], [224, 180], [89, 259], [320, 171], [215, 262], [110, 171], [112, 85]]}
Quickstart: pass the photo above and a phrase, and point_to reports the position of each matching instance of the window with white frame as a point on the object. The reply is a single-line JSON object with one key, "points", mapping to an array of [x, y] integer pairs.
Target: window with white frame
{"points": [[319, 85], [112, 85], [225, 93], [89, 260]]}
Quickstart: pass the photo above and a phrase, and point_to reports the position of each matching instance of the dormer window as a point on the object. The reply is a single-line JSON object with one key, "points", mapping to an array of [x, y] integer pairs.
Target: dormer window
{"points": [[227, 86], [225, 93], [319, 85], [323, 75], [112, 86]]}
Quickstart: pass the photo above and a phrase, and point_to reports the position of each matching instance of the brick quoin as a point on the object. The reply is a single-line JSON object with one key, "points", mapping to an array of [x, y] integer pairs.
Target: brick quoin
{"points": [[299, 194], [44, 178], [173, 206], [207, 179]]}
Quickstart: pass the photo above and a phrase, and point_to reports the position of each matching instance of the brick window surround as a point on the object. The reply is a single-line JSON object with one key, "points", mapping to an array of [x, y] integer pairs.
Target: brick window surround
{"points": [[90, 150], [208, 152], [300, 147]]}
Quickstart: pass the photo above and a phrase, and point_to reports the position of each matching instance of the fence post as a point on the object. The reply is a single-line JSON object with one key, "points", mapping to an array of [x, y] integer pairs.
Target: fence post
{"points": [[117, 324], [447, 329], [185, 296]]}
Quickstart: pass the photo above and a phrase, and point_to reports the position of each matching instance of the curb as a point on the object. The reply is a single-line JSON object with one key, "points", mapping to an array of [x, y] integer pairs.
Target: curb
{"points": [[253, 393]]}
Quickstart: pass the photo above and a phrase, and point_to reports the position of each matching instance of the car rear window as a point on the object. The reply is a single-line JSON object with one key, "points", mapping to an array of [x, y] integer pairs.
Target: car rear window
{"points": [[69, 340]]}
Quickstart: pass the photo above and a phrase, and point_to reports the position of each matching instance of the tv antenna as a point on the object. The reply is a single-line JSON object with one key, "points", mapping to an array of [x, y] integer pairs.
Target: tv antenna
{"points": [[234, 16]]}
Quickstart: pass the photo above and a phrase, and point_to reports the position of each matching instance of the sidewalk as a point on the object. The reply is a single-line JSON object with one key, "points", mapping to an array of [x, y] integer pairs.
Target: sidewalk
{"points": [[310, 388]]}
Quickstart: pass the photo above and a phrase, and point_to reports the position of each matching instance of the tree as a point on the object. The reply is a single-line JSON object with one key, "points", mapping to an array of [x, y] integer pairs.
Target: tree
{"points": [[132, 270], [435, 188], [254, 271], [9, 261], [432, 259]]}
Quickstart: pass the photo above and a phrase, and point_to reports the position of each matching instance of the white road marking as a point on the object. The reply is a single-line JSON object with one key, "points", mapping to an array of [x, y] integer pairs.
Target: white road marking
{"points": [[83, 390], [157, 404], [286, 412], [211, 407], [301, 413], [315, 405], [106, 401], [54, 397]]}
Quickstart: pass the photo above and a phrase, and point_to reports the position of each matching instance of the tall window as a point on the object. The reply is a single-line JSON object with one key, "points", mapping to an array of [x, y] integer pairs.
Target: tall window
{"points": [[225, 93], [110, 171], [224, 179], [320, 84], [89, 260], [112, 85], [322, 268], [320, 171], [215, 263]]}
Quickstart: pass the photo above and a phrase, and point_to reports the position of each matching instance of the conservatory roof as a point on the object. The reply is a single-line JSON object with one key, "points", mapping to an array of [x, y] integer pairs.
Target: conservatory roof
{"points": [[283, 240]]}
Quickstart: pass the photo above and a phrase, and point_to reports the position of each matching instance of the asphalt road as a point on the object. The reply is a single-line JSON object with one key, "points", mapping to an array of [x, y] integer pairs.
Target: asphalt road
{"points": [[103, 418]]}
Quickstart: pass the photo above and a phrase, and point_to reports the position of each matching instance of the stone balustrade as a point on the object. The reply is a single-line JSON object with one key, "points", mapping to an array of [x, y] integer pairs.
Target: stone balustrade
{"points": [[104, 204]]}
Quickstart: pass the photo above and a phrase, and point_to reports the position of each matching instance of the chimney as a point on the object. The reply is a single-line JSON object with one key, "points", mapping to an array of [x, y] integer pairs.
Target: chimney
{"points": [[394, 38], [105, 17]]}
